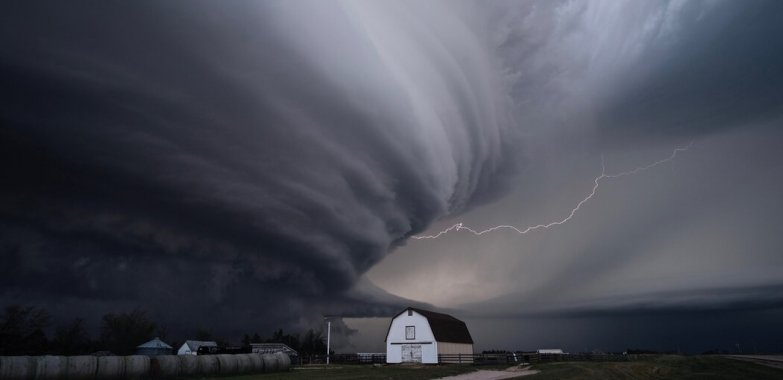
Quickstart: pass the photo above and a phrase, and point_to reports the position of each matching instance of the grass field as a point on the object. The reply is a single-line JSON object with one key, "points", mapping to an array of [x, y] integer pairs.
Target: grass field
{"points": [[661, 367], [358, 372]]}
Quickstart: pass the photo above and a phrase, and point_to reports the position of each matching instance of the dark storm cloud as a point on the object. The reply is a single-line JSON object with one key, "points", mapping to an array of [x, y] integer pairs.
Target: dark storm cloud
{"points": [[251, 161], [246, 159], [641, 70], [721, 70]]}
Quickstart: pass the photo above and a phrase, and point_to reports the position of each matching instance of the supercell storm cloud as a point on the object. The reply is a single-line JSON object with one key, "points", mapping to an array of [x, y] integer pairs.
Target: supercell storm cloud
{"points": [[267, 162], [238, 149]]}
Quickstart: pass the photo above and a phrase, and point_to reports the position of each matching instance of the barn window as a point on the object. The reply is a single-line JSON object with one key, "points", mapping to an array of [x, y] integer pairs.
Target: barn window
{"points": [[410, 332], [410, 312]]}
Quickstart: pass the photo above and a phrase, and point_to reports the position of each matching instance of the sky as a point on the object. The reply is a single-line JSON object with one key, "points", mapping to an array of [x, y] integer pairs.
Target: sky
{"points": [[245, 166]]}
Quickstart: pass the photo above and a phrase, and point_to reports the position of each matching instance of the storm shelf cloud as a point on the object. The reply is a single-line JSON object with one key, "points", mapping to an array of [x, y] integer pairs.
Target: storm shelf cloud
{"points": [[267, 162]]}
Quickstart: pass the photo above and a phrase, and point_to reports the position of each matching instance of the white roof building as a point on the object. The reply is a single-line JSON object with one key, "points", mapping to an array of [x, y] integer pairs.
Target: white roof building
{"points": [[190, 347], [550, 351], [271, 348]]}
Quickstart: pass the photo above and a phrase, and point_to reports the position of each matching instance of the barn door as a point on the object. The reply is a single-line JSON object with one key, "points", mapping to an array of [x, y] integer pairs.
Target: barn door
{"points": [[411, 353]]}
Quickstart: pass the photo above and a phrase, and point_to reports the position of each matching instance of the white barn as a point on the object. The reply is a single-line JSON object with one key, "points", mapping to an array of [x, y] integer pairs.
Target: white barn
{"points": [[419, 336]]}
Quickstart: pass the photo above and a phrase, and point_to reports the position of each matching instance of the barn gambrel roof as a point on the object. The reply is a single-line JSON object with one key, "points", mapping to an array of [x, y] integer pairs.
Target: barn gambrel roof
{"points": [[444, 327]]}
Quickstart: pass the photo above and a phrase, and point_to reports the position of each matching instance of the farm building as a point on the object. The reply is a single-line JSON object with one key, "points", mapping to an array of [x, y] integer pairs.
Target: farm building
{"points": [[271, 348], [153, 348], [550, 351], [190, 347], [423, 336]]}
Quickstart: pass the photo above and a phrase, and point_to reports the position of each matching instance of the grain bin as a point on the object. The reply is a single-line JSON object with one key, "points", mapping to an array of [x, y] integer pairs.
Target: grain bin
{"points": [[207, 365], [164, 366], [50, 367], [188, 365], [110, 367], [17, 367], [81, 367], [153, 348], [137, 366]]}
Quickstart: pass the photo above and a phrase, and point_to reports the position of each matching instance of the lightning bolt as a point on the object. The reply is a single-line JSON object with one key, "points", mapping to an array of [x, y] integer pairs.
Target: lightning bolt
{"points": [[597, 182]]}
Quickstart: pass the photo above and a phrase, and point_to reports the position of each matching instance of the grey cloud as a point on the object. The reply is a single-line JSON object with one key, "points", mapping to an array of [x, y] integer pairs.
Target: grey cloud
{"points": [[627, 82], [270, 152]]}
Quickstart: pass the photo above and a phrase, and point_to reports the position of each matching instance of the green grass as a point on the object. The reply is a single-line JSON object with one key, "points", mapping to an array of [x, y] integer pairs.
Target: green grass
{"points": [[652, 368], [662, 367], [359, 372]]}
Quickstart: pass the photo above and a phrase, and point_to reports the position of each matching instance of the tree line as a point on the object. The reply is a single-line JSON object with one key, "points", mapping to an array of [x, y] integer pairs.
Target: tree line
{"points": [[23, 332]]}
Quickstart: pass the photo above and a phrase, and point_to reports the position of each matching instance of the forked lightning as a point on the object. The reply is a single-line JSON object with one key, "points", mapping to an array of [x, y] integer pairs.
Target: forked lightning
{"points": [[597, 182]]}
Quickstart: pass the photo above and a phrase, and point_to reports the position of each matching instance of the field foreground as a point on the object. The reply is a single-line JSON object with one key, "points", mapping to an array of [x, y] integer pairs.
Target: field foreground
{"points": [[660, 367]]}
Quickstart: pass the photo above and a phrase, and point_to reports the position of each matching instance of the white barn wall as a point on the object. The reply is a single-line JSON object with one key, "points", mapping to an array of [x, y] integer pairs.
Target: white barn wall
{"points": [[396, 338]]}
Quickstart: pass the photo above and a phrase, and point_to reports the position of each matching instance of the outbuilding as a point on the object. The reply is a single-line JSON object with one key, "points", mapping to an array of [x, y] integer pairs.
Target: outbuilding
{"points": [[153, 348], [423, 336], [191, 347], [550, 351]]}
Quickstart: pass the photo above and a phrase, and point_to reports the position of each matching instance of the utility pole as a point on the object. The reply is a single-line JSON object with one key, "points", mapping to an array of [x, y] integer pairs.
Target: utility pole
{"points": [[328, 339], [328, 320]]}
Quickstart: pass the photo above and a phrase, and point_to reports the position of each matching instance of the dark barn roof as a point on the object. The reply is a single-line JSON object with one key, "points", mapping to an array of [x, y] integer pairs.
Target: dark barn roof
{"points": [[445, 327]]}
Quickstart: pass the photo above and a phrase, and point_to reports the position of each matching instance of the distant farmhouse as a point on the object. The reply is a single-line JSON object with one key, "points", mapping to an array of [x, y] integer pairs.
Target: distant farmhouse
{"points": [[422, 336], [191, 347], [550, 351]]}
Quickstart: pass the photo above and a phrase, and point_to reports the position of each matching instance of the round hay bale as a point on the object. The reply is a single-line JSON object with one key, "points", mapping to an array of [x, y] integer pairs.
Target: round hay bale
{"points": [[228, 364], [244, 365], [283, 361], [270, 362], [164, 366], [208, 365], [110, 367], [50, 367], [188, 365], [257, 364], [17, 367], [81, 367], [137, 366]]}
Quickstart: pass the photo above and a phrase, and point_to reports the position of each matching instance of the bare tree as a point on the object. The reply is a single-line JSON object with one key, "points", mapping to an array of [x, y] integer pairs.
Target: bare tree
{"points": [[22, 330], [72, 339], [121, 333]]}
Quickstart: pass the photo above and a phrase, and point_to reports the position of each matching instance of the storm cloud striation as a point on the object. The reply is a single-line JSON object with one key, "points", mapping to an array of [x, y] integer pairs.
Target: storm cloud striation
{"points": [[266, 162], [234, 156]]}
